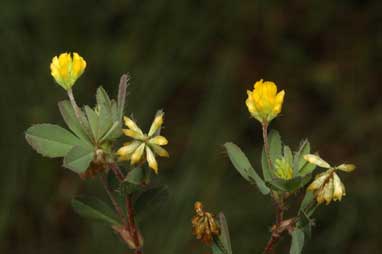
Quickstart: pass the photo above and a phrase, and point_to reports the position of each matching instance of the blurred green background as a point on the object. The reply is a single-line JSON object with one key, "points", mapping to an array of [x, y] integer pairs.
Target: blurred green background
{"points": [[195, 59]]}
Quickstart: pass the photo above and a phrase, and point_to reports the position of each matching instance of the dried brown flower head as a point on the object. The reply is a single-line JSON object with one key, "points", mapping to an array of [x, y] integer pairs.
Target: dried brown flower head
{"points": [[204, 226]]}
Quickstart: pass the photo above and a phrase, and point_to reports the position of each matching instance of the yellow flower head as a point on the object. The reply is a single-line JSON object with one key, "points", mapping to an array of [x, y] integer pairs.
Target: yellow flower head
{"points": [[327, 186], [264, 103], [150, 143], [66, 69], [283, 169]]}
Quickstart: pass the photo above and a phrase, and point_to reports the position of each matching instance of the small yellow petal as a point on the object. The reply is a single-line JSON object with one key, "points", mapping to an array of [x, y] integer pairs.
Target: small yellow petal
{"points": [[157, 123], [159, 150], [318, 182], [158, 140], [132, 125], [128, 148], [328, 191], [346, 167], [151, 160], [137, 155], [79, 65], [339, 189], [133, 134], [316, 160]]}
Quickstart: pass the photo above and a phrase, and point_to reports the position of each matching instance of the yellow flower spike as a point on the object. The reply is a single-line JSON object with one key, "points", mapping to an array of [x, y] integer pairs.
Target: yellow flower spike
{"points": [[66, 70], [144, 143], [264, 103]]}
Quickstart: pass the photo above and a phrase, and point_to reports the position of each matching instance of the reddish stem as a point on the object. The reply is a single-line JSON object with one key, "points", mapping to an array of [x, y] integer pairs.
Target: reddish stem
{"points": [[132, 226]]}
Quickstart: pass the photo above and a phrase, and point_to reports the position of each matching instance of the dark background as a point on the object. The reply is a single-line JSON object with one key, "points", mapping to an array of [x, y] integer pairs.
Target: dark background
{"points": [[195, 59]]}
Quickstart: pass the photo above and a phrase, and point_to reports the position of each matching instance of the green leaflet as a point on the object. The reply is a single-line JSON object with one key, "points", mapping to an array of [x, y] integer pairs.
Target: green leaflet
{"points": [[71, 120], [93, 122], [51, 140], [300, 166], [244, 167], [264, 165], [78, 158], [93, 208], [275, 145], [297, 241], [102, 97]]}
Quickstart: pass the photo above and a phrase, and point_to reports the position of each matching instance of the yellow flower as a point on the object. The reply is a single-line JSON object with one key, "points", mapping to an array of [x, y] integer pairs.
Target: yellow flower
{"points": [[327, 186], [264, 103], [66, 70], [283, 169], [150, 143]]}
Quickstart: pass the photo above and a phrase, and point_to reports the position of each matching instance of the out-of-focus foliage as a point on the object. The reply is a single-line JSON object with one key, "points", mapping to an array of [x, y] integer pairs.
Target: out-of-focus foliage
{"points": [[195, 59]]}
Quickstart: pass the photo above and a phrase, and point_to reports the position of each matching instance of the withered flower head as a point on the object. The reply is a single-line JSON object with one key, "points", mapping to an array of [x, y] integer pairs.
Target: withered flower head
{"points": [[204, 226]]}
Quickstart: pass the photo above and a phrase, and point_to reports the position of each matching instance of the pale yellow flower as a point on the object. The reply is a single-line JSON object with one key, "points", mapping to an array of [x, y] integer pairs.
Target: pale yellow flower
{"points": [[264, 103], [66, 69], [283, 169], [149, 144], [327, 186]]}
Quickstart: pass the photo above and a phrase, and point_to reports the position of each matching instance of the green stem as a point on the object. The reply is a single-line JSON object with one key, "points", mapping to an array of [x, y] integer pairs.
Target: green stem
{"points": [[266, 145]]}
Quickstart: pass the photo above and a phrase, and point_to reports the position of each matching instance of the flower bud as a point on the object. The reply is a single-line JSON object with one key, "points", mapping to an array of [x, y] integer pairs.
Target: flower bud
{"points": [[264, 103]]}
